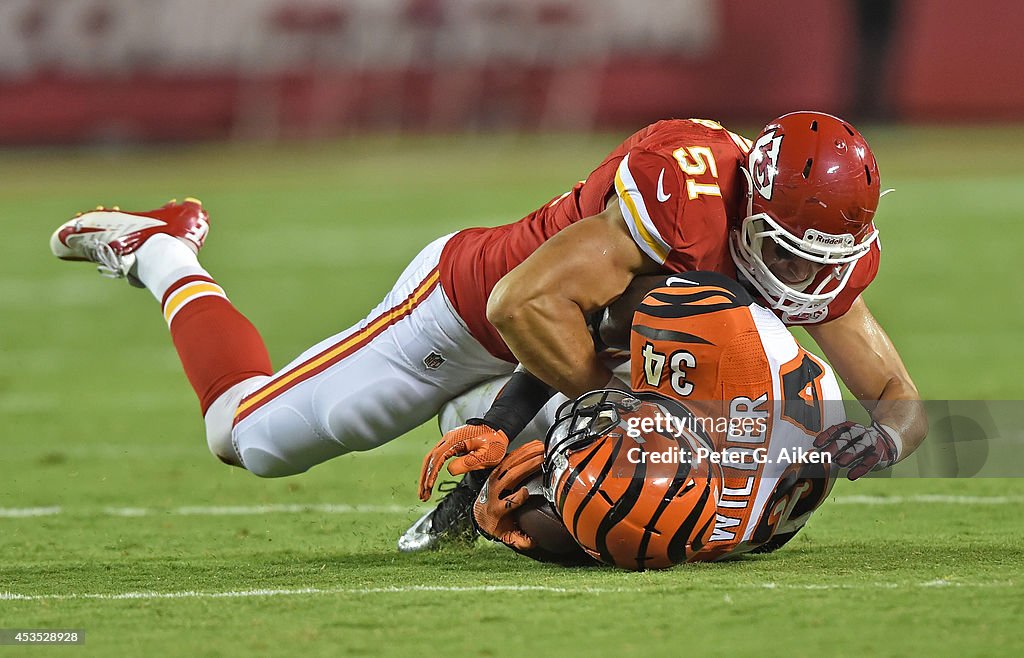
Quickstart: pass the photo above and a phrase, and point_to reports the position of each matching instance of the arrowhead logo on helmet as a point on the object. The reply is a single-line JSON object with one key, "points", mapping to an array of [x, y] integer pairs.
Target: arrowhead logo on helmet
{"points": [[821, 212], [764, 163]]}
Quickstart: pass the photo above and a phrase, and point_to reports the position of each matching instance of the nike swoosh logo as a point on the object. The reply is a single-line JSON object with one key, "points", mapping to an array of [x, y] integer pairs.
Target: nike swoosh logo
{"points": [[74, 232], [662, 197]]}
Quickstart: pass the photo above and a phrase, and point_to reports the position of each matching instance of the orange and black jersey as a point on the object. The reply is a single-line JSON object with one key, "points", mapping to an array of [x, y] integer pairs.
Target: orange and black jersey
{"points": [[702, 340], [692, 335]]}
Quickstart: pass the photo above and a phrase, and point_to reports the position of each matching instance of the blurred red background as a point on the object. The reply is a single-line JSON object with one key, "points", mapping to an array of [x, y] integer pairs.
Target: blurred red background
{"points": [[155, 70]]}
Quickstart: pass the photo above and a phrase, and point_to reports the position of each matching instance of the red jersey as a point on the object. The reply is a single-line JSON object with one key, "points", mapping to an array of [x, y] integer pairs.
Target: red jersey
{"points": [[680, 190]]}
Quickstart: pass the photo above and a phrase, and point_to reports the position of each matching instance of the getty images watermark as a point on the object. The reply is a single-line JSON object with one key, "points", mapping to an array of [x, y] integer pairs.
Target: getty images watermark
{"points": [[748, 430]]}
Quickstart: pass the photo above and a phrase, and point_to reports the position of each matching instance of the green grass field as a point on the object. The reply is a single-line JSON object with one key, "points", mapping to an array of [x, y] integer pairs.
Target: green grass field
{"points": [[115, 519]]}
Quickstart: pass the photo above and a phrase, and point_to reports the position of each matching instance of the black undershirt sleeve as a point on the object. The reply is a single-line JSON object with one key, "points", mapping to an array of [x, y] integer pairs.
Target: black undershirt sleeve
{"points": [[516, 405]]}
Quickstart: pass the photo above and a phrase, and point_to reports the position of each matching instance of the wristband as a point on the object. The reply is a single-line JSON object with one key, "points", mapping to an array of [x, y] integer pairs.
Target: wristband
{"points": [[516, 405], [894, 436]]}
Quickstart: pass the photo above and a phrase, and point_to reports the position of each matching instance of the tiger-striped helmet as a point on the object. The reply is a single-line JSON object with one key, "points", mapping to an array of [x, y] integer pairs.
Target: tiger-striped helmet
{"points": [[625, 506]]}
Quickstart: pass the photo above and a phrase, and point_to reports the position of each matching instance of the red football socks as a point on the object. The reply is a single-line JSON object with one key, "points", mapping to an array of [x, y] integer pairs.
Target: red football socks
{"points": [[218, 346]]}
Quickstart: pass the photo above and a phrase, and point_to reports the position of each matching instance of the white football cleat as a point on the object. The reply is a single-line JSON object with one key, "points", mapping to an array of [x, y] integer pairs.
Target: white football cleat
{"points": [[110, 237]]}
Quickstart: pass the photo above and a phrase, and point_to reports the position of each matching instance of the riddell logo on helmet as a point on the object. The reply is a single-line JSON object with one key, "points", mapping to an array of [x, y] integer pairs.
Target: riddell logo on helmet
{"points": [[827, 239], [764, 162]]}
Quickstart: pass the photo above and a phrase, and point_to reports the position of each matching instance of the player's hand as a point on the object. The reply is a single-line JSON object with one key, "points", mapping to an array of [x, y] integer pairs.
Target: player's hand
{"points": [[860, 449], [503, 494], [480, 447]]}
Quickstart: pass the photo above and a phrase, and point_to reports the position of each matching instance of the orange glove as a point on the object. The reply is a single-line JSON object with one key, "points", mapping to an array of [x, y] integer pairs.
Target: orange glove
{"points": [[481, 447], [504, 494]]}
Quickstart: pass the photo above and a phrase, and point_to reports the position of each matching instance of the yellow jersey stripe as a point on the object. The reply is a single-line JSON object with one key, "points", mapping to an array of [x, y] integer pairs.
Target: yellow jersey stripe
{"points": [[657, 248], [741, 141]]}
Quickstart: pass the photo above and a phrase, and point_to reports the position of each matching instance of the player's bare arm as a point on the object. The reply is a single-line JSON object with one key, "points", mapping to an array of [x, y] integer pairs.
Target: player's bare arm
{"points": [[539, 307], [868, 363]]}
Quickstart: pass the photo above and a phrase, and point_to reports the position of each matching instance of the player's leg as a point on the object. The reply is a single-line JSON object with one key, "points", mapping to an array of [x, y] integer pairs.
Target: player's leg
{"points": [[354, 391], [219, 348], [366, 385]]}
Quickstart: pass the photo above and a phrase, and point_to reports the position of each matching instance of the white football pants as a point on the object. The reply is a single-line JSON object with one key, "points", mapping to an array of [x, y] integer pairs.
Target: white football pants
{"points": [[358, 389]]}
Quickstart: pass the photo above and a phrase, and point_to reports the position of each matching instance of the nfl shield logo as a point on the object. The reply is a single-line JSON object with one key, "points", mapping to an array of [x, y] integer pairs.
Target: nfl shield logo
{"points": [[433, 361]]}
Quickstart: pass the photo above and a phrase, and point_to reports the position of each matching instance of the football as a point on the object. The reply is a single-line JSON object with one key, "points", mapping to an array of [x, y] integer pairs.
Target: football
{"points": [[538, 519]]}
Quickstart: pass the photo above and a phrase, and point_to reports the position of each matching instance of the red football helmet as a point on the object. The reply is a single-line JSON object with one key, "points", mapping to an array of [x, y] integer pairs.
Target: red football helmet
{"points": [[813, 188], [633, 492]]}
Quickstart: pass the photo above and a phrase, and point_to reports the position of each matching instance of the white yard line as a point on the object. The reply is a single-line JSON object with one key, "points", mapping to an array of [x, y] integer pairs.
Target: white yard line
{"points": [[241, 594], [342, 508], [928, 499], [335, 591], [215, 510], [242, 510], [25, 512]]}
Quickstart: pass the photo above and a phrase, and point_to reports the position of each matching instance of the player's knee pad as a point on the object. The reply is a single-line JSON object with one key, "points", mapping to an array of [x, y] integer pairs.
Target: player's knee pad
{"points": [[282, 440], [220, 419], [267, 464]]}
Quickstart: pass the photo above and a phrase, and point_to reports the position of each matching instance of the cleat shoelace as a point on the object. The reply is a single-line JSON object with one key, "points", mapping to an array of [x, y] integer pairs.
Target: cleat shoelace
{"points": [[109, 263], [453, 515]]}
